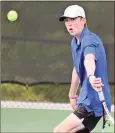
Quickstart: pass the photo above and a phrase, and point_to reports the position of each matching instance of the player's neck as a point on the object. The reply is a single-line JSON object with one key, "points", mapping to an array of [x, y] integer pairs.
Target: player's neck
{"points": [[79, 35], [78, 38]]}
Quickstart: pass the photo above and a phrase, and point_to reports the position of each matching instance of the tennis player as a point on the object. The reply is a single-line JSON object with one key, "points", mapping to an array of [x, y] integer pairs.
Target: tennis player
{"points": [[89, 74]]}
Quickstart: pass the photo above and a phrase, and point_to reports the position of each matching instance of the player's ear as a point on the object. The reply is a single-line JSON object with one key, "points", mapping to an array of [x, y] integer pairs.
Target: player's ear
{"points": [[84, 20]]}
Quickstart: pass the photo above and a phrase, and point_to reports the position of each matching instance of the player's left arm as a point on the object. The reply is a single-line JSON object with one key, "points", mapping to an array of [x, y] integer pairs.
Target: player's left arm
{"points": [[90, 66]]}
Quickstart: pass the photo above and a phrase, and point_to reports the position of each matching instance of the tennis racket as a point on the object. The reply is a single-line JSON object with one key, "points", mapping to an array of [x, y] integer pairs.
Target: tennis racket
{"points": [[108, 123]]}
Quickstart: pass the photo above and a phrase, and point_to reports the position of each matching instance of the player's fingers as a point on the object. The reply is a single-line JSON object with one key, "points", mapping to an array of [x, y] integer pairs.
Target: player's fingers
{"points": [[102, 84], [97, 81], [98, 85], [98, 89], [73, 106]]}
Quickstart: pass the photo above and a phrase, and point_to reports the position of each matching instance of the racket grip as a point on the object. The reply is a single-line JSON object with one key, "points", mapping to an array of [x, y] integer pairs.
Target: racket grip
{"points": [[101, 96]]}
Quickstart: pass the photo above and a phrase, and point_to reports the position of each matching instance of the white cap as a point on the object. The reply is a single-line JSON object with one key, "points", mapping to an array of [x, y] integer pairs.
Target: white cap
{"points": [[73, 11]]}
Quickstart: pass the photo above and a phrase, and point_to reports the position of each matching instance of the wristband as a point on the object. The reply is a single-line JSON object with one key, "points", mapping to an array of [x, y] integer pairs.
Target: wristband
{"points": [[73, 97]]}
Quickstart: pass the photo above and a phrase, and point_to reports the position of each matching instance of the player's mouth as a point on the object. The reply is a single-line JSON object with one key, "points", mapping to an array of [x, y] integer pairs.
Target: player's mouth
{"points": [[70, 29]]}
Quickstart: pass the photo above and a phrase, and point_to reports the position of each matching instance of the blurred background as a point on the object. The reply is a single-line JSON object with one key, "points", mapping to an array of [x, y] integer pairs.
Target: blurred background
{"points": [[36, 61]]}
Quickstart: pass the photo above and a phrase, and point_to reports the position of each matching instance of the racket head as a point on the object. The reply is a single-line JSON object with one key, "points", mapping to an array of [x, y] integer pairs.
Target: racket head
{"points": [[108, 127]]}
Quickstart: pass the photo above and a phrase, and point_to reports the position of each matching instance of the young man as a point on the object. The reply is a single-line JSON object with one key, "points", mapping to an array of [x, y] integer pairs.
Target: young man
{"points": [[89, 72]]}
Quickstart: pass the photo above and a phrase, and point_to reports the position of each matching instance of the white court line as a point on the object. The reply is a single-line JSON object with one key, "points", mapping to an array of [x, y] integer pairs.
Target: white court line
{"points": [[38, 105]]}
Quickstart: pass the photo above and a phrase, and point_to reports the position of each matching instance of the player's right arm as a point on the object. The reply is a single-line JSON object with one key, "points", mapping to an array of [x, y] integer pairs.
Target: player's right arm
{"points": [[73, 88]]}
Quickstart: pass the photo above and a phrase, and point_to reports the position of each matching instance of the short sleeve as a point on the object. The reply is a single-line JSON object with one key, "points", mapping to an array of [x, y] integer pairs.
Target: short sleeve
{"points": [[90, 49], [91, 44]]}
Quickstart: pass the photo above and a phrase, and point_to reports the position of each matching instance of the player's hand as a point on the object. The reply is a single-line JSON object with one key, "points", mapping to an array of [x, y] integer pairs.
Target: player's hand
{"points": [[73, 102], [96, 83]]}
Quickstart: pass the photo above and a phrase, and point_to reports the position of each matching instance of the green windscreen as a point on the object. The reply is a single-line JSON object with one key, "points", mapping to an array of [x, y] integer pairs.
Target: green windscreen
{"points": [[36, 47]]}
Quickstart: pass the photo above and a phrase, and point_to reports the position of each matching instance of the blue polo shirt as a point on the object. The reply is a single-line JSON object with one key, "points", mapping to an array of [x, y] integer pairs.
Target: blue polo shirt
{"points": [[90, 43]]}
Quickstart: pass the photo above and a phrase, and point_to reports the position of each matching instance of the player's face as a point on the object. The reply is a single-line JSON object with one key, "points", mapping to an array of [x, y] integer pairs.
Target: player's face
{"points": [[75, 25]]}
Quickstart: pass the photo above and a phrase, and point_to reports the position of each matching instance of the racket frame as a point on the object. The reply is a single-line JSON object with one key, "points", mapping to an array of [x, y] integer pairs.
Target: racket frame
{"points": [[102, 99]]}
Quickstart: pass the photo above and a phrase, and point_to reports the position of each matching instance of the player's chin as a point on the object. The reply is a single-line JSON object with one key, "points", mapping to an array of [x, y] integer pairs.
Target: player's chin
{"points": [[72, 34]]}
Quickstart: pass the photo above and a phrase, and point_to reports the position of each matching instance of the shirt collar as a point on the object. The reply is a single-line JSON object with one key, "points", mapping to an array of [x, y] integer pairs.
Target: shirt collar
{"points": [[84, 31]]}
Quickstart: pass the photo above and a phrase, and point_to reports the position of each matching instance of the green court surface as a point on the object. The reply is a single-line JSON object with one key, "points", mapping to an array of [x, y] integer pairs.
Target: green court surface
{"points": [[33, 120]]}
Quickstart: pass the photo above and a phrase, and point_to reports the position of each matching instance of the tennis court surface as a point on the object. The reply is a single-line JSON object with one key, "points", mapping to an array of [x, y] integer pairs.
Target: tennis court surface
{"points": [[34, 117]]}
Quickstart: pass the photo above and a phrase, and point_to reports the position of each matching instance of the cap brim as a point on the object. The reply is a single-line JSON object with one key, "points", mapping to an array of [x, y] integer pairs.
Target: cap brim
{"points": [[62, 18]]}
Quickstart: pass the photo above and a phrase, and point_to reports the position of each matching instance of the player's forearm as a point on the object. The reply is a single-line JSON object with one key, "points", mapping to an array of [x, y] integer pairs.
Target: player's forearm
{"points": [[89, 64], [74, 84]]}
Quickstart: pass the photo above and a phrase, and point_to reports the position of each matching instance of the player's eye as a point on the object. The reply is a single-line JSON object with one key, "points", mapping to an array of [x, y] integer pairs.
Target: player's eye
{"points": [[66, 20], [72, 18]]}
